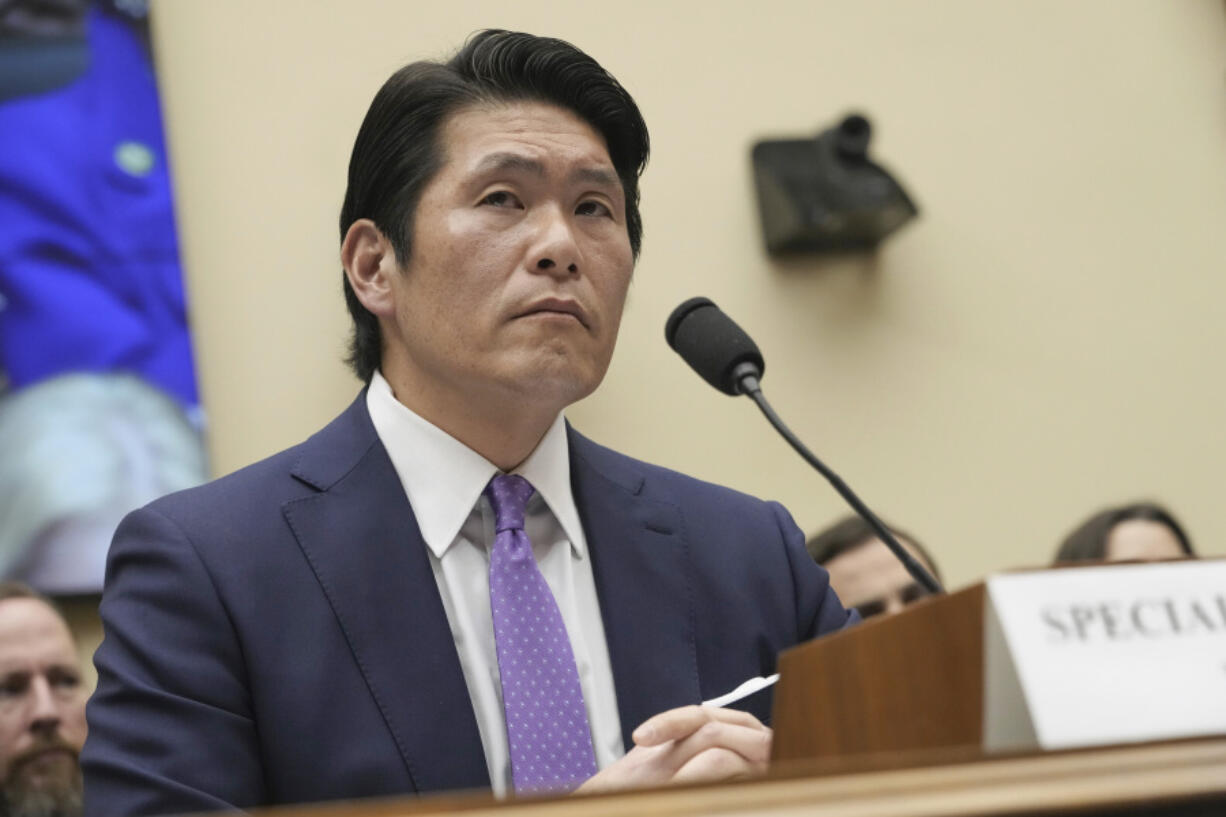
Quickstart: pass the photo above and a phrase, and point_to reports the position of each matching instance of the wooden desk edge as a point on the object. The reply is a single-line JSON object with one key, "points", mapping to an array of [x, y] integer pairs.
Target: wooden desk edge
{"points": [[918, 784]]}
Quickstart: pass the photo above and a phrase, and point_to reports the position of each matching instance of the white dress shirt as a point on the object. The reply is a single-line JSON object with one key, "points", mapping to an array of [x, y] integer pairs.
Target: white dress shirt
{"points": [[444, 480]]}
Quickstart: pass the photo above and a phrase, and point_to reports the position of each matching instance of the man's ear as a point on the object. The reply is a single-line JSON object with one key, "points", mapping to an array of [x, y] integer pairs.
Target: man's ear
{"points": [[370, 263]]}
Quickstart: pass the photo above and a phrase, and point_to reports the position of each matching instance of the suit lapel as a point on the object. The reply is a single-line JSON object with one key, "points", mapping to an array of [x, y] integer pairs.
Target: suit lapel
{"points": [[362, 541], [641, 563]]}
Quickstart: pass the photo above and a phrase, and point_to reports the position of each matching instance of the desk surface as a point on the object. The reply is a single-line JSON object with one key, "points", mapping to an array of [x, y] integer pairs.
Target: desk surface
{"points": [[1175, 778]]}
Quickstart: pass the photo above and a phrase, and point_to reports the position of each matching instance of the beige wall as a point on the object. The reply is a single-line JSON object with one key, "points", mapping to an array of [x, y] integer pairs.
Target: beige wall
{"points": [[1047, 338]]}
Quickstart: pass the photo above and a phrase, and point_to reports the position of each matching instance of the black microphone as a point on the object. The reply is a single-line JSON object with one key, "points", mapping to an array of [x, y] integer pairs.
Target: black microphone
{"points": [[713, 345], [729, 360]]}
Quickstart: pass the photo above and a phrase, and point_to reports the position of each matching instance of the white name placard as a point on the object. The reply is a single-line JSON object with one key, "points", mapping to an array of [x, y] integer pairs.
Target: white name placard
{"points": [[1110, 654]]}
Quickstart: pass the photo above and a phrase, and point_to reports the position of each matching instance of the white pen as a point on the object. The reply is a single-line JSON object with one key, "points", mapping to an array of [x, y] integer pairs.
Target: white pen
{"points": [[743, 691]]}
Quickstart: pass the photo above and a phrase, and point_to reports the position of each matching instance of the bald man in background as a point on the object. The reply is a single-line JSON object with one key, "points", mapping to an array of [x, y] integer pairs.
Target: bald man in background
{"points": [[42, 708]]}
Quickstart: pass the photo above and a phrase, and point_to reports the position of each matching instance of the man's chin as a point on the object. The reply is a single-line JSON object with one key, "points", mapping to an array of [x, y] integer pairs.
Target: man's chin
{"points": [[46, 785], [49, 769], [550, 381]]}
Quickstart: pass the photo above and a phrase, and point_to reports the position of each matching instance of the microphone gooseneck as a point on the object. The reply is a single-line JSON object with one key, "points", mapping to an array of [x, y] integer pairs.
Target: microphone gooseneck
{"points": [[727, 358]]}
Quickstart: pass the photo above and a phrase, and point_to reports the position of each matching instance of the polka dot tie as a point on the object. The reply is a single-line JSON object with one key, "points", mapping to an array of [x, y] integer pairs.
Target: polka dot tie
{"points": [[547, 728]]}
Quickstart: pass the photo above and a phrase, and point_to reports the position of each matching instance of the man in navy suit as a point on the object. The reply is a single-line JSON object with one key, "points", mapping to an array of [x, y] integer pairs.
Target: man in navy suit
{"points": [[333, 622]]}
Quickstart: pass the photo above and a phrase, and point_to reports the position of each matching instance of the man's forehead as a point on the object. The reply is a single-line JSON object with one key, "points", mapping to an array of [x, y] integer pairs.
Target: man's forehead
{"points": [[528, 137], [871, 560], [28, 622]]}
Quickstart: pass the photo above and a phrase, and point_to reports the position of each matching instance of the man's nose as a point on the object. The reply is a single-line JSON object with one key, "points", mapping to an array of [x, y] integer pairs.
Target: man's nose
{"points": [[555, 250], [45, 716]]}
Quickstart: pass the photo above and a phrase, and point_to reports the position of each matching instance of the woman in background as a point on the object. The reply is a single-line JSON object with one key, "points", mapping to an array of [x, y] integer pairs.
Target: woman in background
{"points": [[1140, 531]]}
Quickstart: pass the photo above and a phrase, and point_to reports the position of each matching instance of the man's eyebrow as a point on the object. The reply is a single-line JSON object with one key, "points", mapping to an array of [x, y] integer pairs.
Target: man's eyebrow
{"points": [[597, 176], [514, 162], [499, 162]]}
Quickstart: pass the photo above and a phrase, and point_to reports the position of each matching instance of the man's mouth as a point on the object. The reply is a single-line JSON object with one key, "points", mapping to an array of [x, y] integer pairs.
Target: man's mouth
{"points": [[39, 758], [562, 307]]}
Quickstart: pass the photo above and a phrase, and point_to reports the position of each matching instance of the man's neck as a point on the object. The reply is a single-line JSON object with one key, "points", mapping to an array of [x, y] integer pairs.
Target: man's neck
{"points": [[504, 431]]}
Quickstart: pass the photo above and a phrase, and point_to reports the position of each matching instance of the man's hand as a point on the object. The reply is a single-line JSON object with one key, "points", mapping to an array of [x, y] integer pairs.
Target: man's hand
{"points": [[692, 744]]}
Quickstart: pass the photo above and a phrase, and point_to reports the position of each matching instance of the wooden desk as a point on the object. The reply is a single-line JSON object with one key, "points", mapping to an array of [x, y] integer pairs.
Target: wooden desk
{"points": [[1173, 779]]}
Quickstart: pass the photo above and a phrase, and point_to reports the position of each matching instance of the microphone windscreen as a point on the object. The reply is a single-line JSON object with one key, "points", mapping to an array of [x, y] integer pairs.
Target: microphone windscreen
{"points": [[711, 343]]}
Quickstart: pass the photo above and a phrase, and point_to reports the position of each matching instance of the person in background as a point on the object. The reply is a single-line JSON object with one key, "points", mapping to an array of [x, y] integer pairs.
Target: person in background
{"points": [[1138, 531], [864, 572], [42, 708]]}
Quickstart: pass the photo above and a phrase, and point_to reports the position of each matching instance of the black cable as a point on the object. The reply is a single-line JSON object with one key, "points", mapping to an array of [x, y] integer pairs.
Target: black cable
{"points": [[750, 386]]}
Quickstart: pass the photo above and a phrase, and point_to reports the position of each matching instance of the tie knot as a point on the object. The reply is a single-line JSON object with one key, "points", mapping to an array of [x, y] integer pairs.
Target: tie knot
{"points": [[509, 495]]}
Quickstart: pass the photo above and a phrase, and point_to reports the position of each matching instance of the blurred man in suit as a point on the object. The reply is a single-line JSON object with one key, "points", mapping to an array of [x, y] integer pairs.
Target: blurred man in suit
{"points": [[42, 708], [448, 587], [863, 571]]}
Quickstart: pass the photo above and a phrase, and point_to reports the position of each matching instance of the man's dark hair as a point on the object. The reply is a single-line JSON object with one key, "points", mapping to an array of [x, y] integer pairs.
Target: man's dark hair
{"points": [[1088, 541], [852, 532], [398, 152]]}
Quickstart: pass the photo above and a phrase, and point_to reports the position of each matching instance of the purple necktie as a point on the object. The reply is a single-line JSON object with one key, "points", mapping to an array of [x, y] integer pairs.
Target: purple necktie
{"points": [[547, 729]]}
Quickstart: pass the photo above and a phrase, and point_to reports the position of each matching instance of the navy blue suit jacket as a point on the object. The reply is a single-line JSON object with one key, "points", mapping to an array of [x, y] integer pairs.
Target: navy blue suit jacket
{"points": [[277, 636]]}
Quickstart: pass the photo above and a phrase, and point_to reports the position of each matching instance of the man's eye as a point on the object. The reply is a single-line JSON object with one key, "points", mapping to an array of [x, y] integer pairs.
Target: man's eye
{"points": [[913, 593], [13, 686], [592, 208], [64, 680], [501, 198], [870, 608]]}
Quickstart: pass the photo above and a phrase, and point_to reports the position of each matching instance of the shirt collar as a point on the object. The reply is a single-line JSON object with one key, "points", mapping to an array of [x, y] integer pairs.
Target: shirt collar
{"points": [[443, 478]]}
